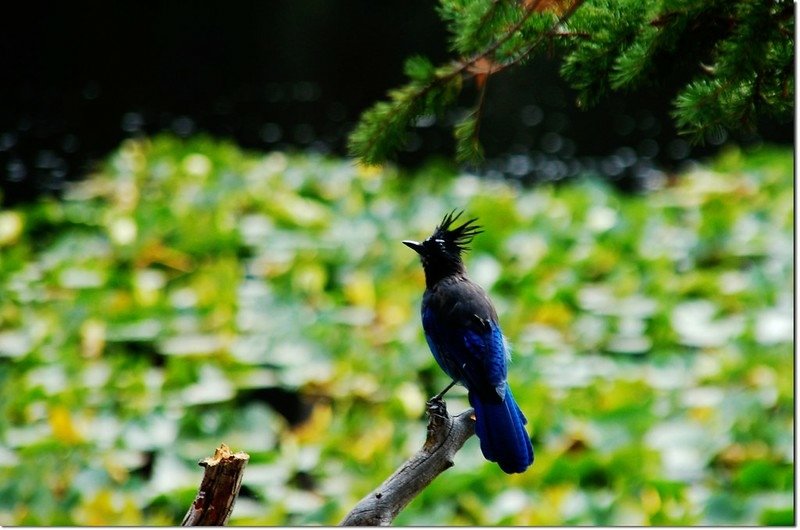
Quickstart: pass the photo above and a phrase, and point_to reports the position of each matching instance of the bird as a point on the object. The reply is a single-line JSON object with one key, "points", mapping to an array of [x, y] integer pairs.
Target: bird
{"points": [[463, 333]]}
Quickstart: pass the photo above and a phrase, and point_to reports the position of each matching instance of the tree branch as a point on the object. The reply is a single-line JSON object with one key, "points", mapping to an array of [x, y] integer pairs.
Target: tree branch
{"points": [[380, 124], [218, 490], [446, 435]]}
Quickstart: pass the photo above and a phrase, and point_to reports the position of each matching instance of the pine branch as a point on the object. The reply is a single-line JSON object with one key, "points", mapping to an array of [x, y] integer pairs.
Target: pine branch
{"points": [[382, 128], [554, 32], [739, 50]]}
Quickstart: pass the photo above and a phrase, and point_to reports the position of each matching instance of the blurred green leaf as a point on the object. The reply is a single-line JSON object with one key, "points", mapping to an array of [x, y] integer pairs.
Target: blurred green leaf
{"points": [[191, 293]]}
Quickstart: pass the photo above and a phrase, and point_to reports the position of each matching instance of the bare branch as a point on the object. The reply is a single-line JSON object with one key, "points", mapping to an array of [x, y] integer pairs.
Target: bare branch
{"points": [[446, 435], [218, 490]]}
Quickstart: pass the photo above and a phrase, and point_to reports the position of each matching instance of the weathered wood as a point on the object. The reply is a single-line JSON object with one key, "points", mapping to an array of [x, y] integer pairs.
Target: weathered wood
{"points": [[446, 435], [218, 490]]}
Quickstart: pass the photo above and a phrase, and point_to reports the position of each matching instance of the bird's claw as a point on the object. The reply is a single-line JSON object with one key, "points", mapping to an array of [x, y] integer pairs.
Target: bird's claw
{"points": [[437, 407]]}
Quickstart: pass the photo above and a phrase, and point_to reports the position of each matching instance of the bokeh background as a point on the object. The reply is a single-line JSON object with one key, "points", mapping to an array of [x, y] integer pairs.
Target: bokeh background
{"points": [[187, 257]]}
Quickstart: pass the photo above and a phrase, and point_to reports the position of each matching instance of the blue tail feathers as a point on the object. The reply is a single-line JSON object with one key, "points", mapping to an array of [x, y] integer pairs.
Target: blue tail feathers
{"points": [[500, 427]]}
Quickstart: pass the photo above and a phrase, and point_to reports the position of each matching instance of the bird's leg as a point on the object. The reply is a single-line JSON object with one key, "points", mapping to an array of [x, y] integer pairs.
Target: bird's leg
{"points": [[437, 410], [440, 395]]}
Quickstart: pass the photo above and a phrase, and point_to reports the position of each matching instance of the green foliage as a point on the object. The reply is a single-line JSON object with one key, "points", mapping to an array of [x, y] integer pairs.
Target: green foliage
{"points": [[144, 319], [610, 54], [470, 23], [734, 61], [468, 148], [382, 128]]}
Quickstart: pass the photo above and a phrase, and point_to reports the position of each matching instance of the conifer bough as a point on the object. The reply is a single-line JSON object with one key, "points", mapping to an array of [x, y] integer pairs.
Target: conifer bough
{"points": [[737, 57]]}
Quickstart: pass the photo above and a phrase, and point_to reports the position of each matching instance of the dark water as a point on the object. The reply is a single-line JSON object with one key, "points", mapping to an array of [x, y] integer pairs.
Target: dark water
{"points": [[79, 77]]}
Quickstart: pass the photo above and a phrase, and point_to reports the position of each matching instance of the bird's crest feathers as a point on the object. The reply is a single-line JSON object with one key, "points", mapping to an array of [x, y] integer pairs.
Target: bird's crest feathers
{"points": [[455, 238]]}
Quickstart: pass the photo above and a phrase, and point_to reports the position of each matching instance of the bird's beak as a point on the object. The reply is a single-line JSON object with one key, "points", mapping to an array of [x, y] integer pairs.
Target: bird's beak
{"points": [[416, 247]]}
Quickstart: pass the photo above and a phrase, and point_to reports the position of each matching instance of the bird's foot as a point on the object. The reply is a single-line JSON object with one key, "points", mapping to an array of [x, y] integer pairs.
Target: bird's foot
{"points": [[436, 405], [437, 408]]}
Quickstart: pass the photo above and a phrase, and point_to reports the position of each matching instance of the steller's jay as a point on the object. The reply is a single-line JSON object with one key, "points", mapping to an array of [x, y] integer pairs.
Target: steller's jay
{"points": [[464, 336]]}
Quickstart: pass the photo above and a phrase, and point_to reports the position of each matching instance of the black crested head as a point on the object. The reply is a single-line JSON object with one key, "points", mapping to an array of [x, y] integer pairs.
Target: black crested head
{"points": [[456, 238], [441, 252]]}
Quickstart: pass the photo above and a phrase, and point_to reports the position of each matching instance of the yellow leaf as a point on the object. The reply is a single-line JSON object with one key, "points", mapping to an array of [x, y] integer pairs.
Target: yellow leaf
{"points": [[651, 500], [93, 338], [375, 439], [360, 289], [11, 224], [62, 425], [554, 314], [107, 508], [315, 428], [411, 399]]}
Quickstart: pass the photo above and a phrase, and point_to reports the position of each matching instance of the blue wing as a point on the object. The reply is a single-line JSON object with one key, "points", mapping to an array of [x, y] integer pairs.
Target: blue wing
{"points": [[466, 341], [463, 334]]}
